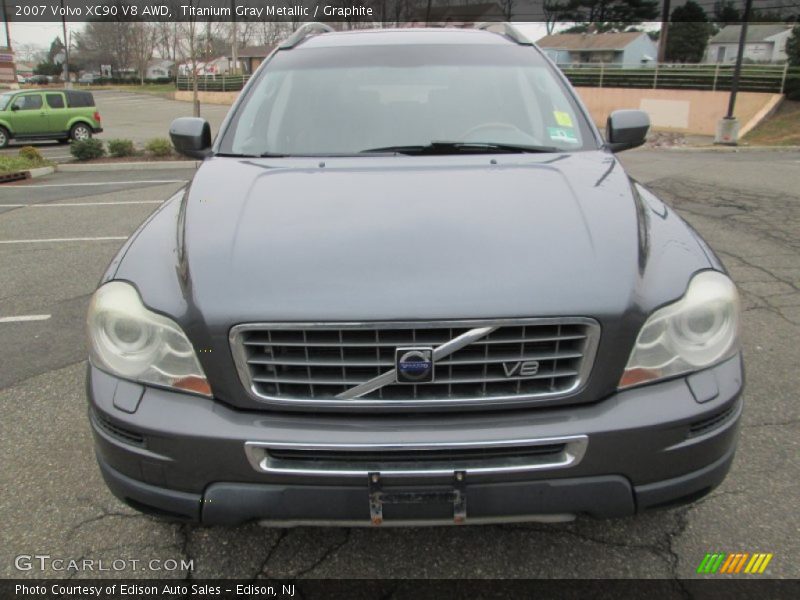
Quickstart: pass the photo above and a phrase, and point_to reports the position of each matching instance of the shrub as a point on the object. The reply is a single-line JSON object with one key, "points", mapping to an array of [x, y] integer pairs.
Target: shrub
{"points": [[87, 149], [32, 154], [159, 147], [120, 148]]}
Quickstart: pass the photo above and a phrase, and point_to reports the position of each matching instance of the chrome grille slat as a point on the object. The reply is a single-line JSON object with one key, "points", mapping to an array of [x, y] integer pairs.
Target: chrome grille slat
{"points": [[314, 364]]}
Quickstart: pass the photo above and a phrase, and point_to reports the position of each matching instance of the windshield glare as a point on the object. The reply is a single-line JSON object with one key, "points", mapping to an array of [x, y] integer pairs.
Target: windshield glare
{"points": [[354, 99]]}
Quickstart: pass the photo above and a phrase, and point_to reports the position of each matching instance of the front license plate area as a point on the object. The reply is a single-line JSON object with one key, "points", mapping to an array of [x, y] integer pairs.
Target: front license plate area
{"points": [[379, 496]]}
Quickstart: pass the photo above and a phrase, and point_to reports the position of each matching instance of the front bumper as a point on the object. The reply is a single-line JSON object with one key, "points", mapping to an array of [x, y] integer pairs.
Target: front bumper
{"points": [[185, 457]]}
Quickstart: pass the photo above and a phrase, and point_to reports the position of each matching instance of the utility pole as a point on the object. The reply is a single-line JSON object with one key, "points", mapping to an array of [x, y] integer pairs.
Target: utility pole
{"points": [[67, 82], [728, 127], [662, 37], [8, 31], [234, 42]]}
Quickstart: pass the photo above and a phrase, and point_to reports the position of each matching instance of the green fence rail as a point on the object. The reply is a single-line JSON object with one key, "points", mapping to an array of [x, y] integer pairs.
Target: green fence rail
{"points": [[214, 83], [754, 78]]}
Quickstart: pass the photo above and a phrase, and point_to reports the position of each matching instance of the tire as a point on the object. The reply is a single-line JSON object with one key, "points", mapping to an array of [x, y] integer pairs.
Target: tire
{"points": [[4, 137], [80, 132]]}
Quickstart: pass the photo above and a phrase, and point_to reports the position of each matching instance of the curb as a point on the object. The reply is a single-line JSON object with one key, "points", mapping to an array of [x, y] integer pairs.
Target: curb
{"points": [[161, 165], [729, 148], [26, 174]]}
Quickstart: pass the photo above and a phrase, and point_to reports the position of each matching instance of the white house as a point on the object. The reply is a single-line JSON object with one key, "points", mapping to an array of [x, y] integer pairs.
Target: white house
{"points": [[628, 49], [159, 68], [765, 43]]}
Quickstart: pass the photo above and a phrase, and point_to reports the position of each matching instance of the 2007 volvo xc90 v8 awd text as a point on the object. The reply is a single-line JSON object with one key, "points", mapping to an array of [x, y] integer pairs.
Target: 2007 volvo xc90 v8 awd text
{"points": [[411, 283]]}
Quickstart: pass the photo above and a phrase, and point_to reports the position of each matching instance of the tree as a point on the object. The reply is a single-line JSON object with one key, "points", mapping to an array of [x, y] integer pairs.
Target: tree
{"points": [[605, 15], [793, 47], [106, 43], [56, 48], [688, 35], [726, 13], [144, 37]]}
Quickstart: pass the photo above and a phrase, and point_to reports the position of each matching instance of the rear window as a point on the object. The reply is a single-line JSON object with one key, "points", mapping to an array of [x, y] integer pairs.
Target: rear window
{"points": [[79, 99], [55, 100]]}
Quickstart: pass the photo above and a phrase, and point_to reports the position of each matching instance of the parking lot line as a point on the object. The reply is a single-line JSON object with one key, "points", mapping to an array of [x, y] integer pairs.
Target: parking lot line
{"points": [[58, 240], [90, 183], [21, 318]]}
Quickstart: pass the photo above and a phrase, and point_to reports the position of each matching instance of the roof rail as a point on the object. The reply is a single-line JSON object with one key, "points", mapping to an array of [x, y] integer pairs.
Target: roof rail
{"points": [[506, 29], [302, 33]]}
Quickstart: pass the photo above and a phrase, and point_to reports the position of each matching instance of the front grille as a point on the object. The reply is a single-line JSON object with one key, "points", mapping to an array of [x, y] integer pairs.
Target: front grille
{"points": [[416, 456], [311, 364]]}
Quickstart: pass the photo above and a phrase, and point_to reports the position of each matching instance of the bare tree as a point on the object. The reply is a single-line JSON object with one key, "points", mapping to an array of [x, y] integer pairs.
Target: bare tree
{"points": [[144, 38], [106, 42]]}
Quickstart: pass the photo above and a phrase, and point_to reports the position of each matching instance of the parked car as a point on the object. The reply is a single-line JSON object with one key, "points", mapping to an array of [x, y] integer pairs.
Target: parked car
{"points": [[411, 282], [38, 79], [53, 114], [87, 78], [21, 79]]}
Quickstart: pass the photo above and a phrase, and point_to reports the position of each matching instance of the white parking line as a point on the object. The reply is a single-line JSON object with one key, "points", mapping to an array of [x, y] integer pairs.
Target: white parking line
{"points": [[91, 183], [58, 240], [22, 318], [72, 204]]}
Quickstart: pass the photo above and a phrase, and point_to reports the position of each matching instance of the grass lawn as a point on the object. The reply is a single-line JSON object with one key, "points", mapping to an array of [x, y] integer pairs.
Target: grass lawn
{"points": [[12, 164], [781, 129]]}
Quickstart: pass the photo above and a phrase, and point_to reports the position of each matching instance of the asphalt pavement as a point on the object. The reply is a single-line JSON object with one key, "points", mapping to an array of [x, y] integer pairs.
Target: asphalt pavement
{"points": [[57, 234], [121, 115]]}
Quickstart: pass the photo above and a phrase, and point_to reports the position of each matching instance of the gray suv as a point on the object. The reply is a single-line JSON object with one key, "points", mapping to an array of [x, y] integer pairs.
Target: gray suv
{"points": [[411, 283]]}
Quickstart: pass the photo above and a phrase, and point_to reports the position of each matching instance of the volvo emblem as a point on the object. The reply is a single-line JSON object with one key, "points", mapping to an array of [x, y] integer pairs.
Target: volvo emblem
{"points": [[414, 365]]}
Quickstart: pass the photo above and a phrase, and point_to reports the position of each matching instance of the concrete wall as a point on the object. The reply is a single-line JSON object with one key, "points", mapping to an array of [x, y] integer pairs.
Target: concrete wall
{"points": [[686, 111], [207, 97]]}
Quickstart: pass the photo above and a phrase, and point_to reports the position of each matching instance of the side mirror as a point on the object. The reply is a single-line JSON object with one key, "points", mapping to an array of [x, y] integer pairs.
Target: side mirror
{"points": [[191, 136], [626, 129], [14, 107]]}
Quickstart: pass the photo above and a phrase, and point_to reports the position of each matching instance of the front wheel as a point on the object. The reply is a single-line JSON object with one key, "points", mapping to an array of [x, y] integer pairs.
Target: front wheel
{"points": [[4, 137], [80, 132]]}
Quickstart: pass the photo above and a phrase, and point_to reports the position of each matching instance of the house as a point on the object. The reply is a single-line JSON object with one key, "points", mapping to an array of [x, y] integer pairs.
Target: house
{"points": [[629, 49], [24, 69], [8, 73], [160, 69], [765, 43], [251, 57]]}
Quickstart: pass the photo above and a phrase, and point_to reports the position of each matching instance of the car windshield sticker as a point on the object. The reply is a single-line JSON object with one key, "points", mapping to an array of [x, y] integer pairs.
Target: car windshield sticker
{"points": [[562, 118], [562, 135]]}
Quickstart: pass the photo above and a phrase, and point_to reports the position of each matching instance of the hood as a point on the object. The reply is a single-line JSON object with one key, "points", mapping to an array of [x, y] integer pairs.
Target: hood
{"points": [[411, 237]]}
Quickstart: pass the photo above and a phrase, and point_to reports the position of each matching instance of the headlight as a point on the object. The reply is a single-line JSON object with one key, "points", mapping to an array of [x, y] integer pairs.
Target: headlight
{"points": [[132, 342], [699, 330]]}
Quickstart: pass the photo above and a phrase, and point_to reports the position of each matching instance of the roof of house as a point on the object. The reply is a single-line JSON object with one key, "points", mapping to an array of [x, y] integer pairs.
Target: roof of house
{"points": [[160, 62], [588, 42], [756, 32], [254, 51]]}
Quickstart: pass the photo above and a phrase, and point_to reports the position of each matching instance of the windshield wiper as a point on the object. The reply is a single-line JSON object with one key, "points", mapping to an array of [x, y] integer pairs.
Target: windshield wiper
{"points": [[462, 147]]}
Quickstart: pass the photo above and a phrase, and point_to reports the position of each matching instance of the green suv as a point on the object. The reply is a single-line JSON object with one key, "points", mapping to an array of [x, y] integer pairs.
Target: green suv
{"points": [[48, 114]]}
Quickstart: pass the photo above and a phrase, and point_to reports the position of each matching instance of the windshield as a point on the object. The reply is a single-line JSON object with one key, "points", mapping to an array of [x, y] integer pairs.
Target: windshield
{"points": [[4, 100], [349, 100]]}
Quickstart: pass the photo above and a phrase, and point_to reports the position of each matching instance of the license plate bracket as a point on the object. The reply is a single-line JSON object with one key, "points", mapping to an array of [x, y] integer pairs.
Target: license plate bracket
{"points": [[378, 496]]}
